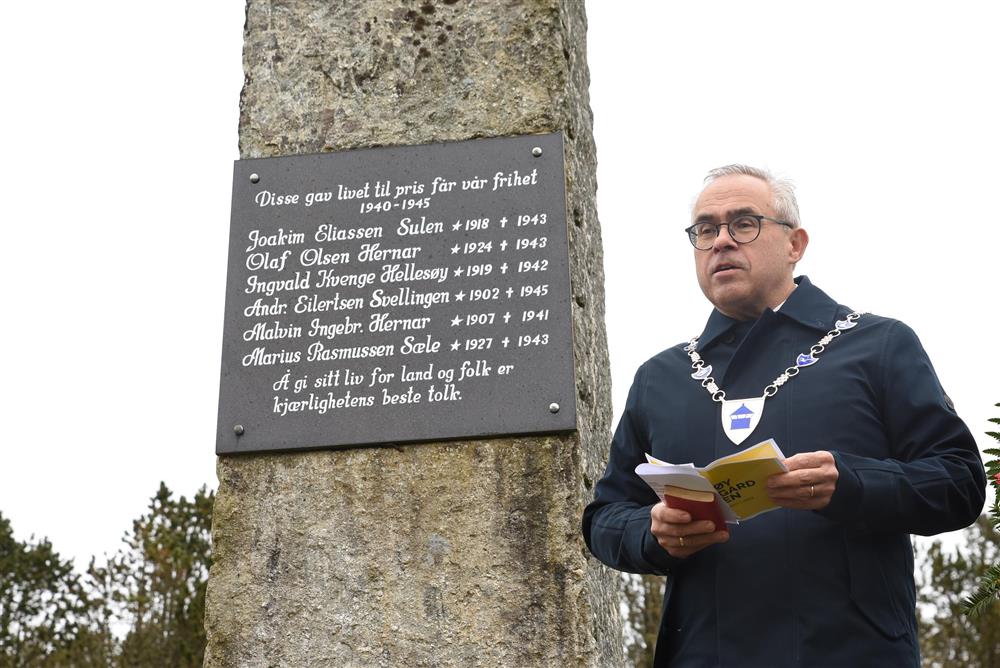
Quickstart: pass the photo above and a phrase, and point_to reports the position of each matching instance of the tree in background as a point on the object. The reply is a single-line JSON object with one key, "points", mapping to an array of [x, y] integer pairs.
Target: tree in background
{"points": [[43, 605], [643, 603], [945, 578], [156, 584], [984, 598], [143, 607], [964, 581]]}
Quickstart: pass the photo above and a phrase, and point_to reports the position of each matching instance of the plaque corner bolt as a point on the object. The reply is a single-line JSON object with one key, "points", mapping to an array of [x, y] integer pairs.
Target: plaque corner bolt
{"points": [[254, 178], [238, 430], [537, 151], [553, 407]]}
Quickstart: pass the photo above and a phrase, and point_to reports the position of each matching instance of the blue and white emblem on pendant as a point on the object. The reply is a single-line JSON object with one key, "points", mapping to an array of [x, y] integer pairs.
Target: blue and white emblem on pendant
{"points": [[805, 359], [702, 373], [845, 324], [740, 417]]}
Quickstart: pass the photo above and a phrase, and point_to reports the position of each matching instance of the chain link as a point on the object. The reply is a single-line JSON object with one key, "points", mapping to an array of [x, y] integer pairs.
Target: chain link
{"points": [[719, 395]]}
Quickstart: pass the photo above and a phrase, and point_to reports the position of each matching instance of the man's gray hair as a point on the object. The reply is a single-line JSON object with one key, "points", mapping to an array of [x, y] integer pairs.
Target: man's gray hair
{"points": [[786, 208]]}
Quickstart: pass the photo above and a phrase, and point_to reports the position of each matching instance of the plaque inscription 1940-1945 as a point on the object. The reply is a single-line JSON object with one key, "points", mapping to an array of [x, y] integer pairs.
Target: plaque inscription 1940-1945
{"points": [[398, 294]]}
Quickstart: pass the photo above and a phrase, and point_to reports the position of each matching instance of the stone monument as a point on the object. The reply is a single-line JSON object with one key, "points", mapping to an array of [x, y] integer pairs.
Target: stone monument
{"points": [[460, 553]]}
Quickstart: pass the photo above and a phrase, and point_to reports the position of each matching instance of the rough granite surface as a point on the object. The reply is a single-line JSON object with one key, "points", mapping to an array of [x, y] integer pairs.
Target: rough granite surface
{"points": [[466, 553]]}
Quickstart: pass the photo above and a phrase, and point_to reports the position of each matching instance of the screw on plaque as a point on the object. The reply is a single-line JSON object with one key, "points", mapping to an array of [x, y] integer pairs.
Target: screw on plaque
{"points": [[238, 430], [553, 407], [254, 178], [537, 151]]}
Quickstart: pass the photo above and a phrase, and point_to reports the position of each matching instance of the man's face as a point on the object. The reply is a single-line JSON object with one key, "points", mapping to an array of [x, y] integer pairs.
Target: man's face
{"points": [[741, 280]]}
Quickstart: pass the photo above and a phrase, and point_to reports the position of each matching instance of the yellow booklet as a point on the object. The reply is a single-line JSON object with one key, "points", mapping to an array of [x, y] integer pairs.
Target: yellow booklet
{"points": [[739, 481]]}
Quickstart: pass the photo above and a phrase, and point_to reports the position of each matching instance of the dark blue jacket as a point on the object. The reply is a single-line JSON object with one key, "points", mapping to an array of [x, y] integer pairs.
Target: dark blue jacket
{"points": [[791, 587]]}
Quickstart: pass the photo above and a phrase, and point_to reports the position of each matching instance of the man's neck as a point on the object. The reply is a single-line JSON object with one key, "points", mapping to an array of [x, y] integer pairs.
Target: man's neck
{"points": [[775, 309], [755, 312]]}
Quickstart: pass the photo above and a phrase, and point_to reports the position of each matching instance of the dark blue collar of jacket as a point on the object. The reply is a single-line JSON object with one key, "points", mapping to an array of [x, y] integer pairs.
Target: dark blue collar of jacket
{"points": [[807, 305]]}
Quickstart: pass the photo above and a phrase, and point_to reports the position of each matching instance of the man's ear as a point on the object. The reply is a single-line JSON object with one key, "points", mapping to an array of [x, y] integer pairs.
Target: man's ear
{"points": [[800, 239]]}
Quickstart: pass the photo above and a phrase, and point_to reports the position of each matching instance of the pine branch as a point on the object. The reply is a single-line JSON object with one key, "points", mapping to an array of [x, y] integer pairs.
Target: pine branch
{"points": [[987, 594]]}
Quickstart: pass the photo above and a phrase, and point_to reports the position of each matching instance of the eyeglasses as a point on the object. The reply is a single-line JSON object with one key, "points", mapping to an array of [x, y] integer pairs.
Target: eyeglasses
{"points": [[742, 229]]}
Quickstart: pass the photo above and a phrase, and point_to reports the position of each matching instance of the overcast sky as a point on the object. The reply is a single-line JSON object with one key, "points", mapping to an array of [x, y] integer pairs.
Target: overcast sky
{"points": [[120, 127]]}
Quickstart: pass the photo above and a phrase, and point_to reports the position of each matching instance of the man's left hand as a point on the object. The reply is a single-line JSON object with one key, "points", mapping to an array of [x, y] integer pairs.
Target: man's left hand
{"points": [[809, 483]]}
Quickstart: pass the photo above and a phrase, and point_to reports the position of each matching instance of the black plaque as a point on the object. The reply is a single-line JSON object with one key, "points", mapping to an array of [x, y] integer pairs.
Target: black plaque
{"points": [[398, 294]]}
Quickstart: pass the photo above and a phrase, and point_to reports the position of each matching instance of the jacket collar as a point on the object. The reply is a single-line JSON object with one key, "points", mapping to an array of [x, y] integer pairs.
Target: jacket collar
{"points": [[807, 305]]}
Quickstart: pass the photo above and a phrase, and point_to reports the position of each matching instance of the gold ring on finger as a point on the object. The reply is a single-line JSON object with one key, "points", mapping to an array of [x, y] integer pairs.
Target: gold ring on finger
{"points": [[812, 491], [680, 539]]}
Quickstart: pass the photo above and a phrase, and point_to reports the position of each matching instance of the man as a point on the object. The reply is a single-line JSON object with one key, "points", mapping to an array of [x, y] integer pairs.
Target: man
{"points": [[875, 452]]}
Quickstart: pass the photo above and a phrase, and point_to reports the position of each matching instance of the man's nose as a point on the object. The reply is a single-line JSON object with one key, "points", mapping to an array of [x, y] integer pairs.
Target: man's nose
{"points": [[723, 240]]}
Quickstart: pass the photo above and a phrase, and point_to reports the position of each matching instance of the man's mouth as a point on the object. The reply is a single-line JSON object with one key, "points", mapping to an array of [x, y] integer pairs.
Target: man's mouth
{"points": [[724, 267]]}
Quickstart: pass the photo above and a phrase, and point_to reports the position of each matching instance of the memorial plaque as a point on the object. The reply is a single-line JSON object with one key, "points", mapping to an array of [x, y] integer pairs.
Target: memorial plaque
{"points": [[398, 294]]}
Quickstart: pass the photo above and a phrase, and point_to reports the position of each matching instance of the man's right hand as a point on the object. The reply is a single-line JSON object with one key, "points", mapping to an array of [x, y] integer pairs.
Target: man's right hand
{"points": [[678, 535]]}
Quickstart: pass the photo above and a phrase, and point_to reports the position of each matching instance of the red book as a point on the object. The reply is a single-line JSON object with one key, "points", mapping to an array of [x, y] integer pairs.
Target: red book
{"points": [[700, 505]]}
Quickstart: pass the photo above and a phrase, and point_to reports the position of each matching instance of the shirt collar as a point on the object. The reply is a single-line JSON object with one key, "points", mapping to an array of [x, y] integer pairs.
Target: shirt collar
{"points": [[807, 305], [810, 306]]}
